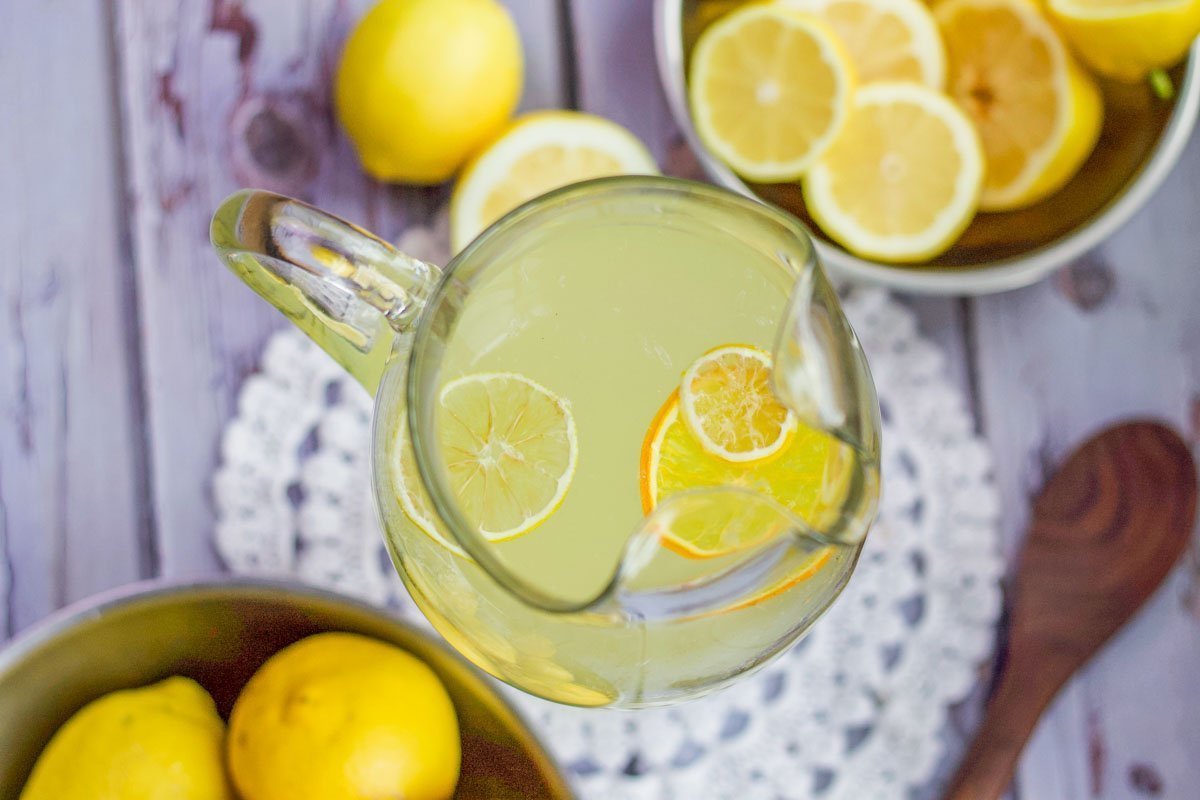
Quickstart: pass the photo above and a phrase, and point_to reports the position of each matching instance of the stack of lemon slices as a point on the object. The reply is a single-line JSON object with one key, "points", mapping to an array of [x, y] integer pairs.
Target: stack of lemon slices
{"points": [[902, 121], [723, 428]]}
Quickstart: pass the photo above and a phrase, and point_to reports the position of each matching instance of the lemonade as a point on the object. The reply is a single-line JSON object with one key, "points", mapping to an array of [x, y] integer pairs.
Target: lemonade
{"points": [[626, 443], [565, 363]]}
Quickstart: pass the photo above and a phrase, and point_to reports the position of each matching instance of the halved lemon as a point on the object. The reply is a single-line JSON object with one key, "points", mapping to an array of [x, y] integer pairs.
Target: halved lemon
{"points": [[887, 40], [1126, 39], [903, 180], [770, 88], [1037, 111], [509, 450], [808, 477], [729, 406], [539, 152]]}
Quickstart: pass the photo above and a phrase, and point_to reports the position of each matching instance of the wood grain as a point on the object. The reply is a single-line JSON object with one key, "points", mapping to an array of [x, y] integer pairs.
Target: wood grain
{"points": [[1106, 530], [70, 488], [219, 96], [1115, 336]]}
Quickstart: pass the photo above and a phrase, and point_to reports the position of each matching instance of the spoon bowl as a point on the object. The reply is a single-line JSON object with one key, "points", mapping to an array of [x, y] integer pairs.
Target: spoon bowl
{"points": [[1105, 532]]}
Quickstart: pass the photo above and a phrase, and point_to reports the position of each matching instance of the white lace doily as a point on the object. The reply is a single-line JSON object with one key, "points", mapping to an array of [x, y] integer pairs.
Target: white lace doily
{"points": [[856, 710]]}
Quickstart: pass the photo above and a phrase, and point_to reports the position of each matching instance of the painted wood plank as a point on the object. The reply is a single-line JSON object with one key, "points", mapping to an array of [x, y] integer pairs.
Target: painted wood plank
{"points": [[1115, 335], [219, 96], [540, 23], [70, 489]]}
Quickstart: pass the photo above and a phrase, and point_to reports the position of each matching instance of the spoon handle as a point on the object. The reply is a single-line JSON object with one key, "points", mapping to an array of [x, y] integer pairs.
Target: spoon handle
{"points": [[1013, 713]]}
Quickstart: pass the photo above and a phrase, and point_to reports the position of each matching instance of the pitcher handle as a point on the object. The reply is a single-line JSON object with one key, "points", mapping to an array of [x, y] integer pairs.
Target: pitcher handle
{"points": [[350, 291]]}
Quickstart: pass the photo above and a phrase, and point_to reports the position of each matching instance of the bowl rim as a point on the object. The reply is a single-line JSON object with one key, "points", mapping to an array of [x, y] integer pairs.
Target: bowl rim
{"points": [[43, 632], [61, 620], [1003, 275]]}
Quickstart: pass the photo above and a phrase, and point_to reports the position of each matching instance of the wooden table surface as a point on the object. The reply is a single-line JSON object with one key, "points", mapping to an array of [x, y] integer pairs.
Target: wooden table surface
{"points": [[124, 341]]}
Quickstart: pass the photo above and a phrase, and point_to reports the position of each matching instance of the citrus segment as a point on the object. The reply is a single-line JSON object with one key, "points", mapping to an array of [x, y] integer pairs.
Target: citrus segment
{"points": [[509, 448], [729, 406], [887, 40], [769, 90], [903, 180], [1126, 39], [1037, 111], [537, 153]]}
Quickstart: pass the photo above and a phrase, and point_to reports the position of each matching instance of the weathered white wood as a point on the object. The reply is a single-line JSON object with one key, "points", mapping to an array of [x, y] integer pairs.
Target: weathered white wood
{"points": [[69, 447], [1115, 336], [613, 47], [218, 96], [541, 24]]}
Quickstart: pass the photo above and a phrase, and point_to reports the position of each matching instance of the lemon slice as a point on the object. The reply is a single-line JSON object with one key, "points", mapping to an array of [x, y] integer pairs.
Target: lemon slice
{"points": [[887, 40], [1037, 111], [904, 178], [510, 450], [1126, 39], [539, 152], [809, 477], [728, 404], [770, 88]]}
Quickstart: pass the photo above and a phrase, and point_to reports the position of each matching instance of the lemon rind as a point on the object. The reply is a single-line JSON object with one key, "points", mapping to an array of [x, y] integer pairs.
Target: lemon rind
{"points": [[1082, 11]]}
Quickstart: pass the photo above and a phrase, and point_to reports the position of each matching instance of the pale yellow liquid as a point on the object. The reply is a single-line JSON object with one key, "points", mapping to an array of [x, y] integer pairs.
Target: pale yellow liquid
{"points": [[606, 316], [609, 318]]}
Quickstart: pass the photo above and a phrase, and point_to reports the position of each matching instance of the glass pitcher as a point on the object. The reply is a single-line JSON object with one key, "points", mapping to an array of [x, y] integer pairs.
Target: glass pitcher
{"points": [[625, 445]]}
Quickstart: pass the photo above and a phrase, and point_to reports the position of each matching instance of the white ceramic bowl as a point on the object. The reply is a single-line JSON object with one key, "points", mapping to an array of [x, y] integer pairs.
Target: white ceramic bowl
{"points": [[1086, 212]]}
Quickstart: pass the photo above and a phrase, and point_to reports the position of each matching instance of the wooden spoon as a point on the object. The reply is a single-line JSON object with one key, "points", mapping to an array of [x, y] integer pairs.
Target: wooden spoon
{"points": [[1106, 530]]}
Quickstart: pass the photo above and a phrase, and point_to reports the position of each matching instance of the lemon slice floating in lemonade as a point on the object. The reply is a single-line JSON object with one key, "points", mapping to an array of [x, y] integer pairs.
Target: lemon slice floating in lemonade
{"points": [[729, 407], [509, 448], [807, 474]]}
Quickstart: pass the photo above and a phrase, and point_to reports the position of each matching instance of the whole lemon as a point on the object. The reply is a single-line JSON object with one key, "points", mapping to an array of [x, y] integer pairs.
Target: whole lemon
{"points": [[156, 742], [422, 83], [338, 716]]}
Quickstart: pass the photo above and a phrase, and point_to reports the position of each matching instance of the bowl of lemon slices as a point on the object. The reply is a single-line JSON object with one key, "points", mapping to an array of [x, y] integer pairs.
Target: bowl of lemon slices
{"points": [[952, 147]]}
